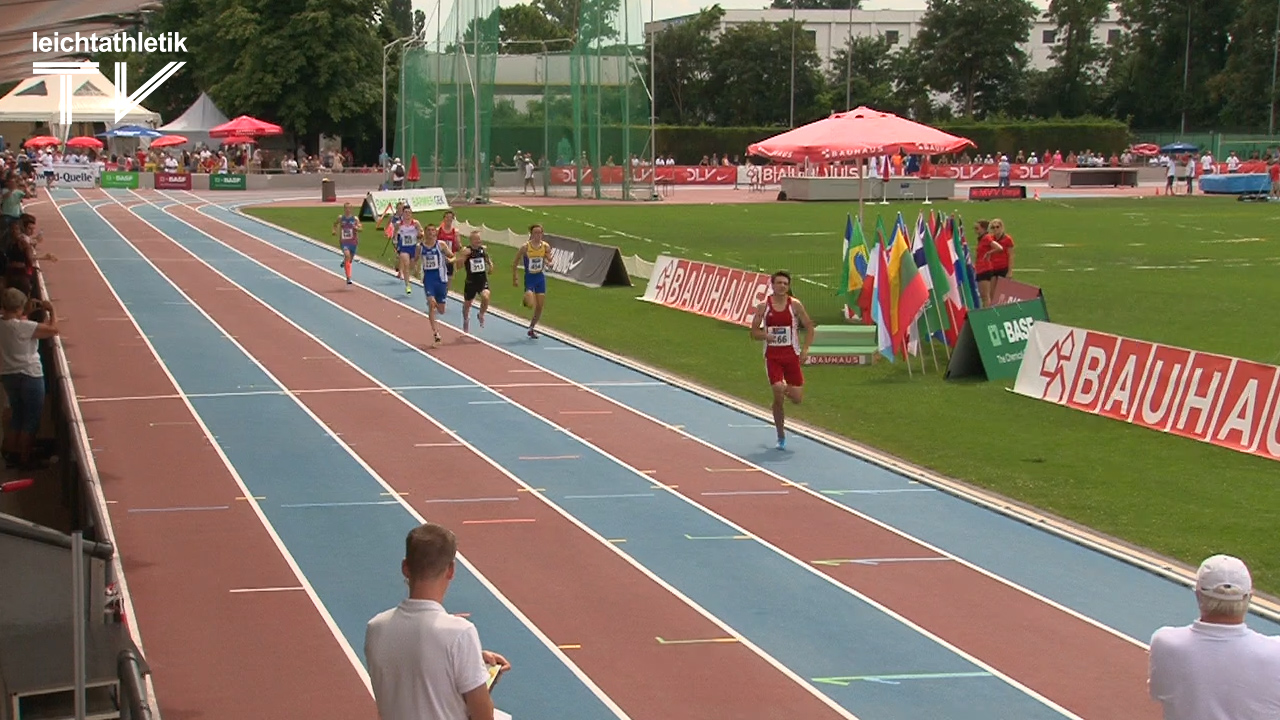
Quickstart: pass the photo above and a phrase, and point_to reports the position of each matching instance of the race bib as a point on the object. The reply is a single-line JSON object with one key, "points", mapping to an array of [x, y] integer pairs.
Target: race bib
{"points": [[779, 336], [535, 264], [431, 261], [348, 233], [477, 264]]}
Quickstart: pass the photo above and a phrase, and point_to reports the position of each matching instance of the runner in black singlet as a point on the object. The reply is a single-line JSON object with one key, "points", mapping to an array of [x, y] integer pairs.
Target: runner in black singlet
{"points": [[474, 258]]}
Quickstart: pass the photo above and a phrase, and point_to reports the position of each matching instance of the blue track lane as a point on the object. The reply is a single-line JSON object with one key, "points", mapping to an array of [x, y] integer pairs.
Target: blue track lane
{"points": [[806, 622], [1136, 602], [350, 554]]}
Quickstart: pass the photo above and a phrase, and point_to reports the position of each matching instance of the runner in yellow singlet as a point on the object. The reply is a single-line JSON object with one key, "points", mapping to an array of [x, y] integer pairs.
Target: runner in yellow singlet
{"points": [[536, 256]]}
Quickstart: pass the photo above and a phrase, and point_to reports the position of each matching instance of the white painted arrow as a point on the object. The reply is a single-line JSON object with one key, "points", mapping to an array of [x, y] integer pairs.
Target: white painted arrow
{"points": [[126, 103]]}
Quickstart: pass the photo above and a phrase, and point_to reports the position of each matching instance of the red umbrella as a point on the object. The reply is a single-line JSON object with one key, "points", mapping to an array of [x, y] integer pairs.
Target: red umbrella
{"points": [[858, 133], [169, 141], [245, 126], [238, 141], [413, 175], [42, 141], [85, 142]]}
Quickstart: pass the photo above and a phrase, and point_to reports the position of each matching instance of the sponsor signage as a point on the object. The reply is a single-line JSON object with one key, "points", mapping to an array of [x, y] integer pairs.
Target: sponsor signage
{"points": [[1011, 291], [838, 360], [378, 202], [1226, 401], [119, 179], [586, 263], [676, 174], [76, 175], [173, 181], [227, 181], [995, 192], [993, 340], [708, 290]]}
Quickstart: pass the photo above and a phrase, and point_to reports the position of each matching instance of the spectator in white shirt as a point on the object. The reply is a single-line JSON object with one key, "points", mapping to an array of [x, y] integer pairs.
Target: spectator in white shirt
{"points": [[1217, 668], [424, 663]]}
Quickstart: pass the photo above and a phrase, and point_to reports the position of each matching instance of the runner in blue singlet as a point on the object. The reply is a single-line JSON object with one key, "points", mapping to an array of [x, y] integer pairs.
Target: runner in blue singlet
{"points": [[436, 258], [349, 227], [407, 238]]}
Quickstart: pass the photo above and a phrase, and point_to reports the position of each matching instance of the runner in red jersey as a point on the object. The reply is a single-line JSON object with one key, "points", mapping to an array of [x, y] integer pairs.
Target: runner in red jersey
{"points": [[448, 234], [777, 322]]}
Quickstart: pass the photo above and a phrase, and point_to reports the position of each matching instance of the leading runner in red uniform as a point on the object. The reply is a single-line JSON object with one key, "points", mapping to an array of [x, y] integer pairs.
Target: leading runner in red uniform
{"points": [[777, 322]]}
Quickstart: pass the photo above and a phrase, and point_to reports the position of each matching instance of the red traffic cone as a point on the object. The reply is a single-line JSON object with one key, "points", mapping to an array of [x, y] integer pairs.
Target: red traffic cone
{"points": [[413, 175]]}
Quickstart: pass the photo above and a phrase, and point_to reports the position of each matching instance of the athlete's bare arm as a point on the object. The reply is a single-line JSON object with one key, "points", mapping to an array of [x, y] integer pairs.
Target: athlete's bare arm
{"points": [[803, 315], [461, 259], [757, 324], [515, 265]]}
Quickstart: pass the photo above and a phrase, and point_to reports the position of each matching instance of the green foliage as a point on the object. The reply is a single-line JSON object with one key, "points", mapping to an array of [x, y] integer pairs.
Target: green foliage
{"points": [[1077, 134], [816, 4], [682, 69], [971, 48], [752, 63], [1073, 83], [1243, 88]]}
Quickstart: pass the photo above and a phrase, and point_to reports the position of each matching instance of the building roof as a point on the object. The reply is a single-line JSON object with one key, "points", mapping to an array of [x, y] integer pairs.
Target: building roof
{"points": [[37, 99], [23, 17]]}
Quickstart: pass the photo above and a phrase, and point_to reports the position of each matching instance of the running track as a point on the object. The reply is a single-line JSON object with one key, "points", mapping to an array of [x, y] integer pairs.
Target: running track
{"points": [[266, 436]]}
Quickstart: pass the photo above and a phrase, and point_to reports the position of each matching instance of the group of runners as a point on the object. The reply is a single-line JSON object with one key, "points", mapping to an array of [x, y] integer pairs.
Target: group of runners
{"points": [[434, 254]]}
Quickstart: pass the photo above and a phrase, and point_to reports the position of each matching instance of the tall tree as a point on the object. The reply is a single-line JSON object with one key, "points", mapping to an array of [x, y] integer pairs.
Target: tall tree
{"points": [[1076, 77], [751, 75], [864, 69], [524, 29], [972, 48], [817, 4], [1243, 87], [1145, 79], [682, 68], [400, 14]]}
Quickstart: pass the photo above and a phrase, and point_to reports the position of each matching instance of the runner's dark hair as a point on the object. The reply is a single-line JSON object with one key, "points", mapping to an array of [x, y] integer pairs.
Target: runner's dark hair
{"points": [[785, 274]]}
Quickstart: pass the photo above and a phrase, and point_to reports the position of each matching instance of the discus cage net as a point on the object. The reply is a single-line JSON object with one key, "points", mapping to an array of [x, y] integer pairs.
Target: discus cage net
{"points": [[472, 107]]}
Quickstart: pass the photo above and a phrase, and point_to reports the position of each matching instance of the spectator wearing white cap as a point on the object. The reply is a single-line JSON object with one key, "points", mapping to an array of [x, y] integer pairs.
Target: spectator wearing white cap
{"points": [[1217, 668]]}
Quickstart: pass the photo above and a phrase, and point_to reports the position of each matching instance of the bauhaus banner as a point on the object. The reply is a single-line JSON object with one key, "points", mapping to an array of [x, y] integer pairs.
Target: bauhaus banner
{"points": [[1216, 399]]}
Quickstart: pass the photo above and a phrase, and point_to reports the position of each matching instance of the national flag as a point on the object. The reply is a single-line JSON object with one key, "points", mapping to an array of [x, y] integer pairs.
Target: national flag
{"points": [[881, 302], [908, 293], [867, 297], [846, 277], [954, 303], [942, 289]]}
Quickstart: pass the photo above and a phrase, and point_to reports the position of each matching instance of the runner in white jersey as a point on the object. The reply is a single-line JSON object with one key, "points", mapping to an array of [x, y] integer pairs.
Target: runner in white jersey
{"points": [[407, 239]]}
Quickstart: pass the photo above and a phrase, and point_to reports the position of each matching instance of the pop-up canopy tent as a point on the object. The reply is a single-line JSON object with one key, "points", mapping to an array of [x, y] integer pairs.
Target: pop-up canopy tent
{"points": [[859, 133], [36, 99], [197, 121]]}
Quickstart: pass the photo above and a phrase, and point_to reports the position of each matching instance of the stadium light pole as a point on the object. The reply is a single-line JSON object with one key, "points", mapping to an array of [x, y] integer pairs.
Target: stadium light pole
{"points": [[1186, 71], [386, 58], [848, 63], [793, 63], [653, 101], [1275, 56]]}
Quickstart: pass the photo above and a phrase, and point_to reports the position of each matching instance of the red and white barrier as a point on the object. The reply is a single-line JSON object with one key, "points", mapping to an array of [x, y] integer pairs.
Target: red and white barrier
{"points": [[1222, 400], [708, 290]]}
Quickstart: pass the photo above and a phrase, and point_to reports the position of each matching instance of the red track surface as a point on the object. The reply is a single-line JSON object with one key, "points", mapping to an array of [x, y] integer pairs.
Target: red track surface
{"points": [[215, 654], [1088, 671], [647, 680]]}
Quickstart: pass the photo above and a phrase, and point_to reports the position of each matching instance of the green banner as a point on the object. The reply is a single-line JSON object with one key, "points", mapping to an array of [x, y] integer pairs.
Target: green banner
{"points": [[119, 179], [228, 182], [993, 340]]}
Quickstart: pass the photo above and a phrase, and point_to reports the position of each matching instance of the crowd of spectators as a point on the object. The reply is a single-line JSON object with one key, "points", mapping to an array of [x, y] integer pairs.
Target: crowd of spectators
{"points": [[27, 316]]}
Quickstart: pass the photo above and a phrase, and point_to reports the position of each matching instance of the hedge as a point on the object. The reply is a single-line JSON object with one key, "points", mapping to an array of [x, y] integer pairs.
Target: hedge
{"points": [[688, 144]]}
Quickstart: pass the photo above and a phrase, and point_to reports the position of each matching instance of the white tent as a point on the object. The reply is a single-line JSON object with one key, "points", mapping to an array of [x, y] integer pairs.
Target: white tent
{"points": [[197, 121], [36, 99]]}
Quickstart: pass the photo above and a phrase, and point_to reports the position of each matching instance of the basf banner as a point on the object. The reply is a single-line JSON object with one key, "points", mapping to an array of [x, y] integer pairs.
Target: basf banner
{"points": [[1222, 400], [708, 290]]}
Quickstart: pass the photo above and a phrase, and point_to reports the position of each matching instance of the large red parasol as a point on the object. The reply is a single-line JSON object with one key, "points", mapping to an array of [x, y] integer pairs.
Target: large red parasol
{"points": [[245, 126], [42, 141], [85, 142], [169, 141], [859, 133]]}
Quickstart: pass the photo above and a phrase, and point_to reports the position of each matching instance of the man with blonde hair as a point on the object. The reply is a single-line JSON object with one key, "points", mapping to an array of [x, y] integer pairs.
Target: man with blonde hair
{"points": [[1217, 668], [424, 663]]}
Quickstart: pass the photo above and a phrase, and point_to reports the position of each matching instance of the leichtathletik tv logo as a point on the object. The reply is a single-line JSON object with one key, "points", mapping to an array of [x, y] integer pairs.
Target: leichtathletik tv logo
{"points": [[124, 102]]}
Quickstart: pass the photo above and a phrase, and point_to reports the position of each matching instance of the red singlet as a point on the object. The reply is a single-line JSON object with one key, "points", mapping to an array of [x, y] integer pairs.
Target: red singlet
{"points": [[449, 236], [782, 345]]}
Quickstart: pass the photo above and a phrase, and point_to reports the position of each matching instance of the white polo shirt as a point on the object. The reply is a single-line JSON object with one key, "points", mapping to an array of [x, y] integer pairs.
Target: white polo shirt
{"points": [[421, 661], [1207, 671]]}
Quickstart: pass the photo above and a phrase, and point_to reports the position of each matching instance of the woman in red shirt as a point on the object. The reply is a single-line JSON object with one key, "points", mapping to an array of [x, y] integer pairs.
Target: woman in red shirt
{"points": [[995, 260]]}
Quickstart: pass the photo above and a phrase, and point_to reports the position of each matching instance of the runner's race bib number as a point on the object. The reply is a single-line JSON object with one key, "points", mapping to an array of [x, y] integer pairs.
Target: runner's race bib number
{"points": [[348, 233], [779, 336], [431, 261], [535, 264], [477, 264]]}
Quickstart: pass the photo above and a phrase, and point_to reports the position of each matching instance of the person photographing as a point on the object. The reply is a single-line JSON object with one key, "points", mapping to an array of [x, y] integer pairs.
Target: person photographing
{"points": [[425, 664]]}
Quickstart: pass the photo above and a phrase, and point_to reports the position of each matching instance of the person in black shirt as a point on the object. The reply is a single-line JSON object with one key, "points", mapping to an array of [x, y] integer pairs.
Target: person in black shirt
{"points": [[474, 258]]}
